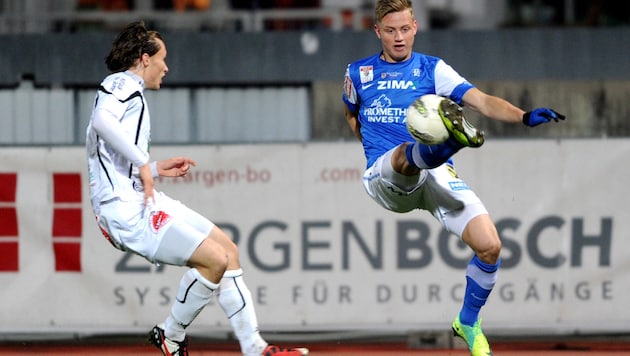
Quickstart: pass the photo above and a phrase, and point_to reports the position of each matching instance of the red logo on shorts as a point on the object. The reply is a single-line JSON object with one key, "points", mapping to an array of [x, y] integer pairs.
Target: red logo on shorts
{"points": [[159, 219]]}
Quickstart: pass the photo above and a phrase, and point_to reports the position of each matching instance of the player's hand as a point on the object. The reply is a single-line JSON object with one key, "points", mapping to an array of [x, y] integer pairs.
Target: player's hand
{"points": [[148, 183], [175, 166], [540, 116]]}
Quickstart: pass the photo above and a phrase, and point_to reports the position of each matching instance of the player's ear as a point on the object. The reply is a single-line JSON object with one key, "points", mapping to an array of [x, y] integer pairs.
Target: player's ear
{"points": [[145, 59], [377, 31]]}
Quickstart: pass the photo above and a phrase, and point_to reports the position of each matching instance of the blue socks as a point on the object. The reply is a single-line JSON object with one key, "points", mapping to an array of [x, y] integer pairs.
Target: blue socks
{"points": [[480, 279], [431, 156]]}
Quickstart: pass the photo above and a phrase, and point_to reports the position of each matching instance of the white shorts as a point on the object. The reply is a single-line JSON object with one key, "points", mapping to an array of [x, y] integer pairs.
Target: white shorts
{"points": [[166, 231], [439, 191]]}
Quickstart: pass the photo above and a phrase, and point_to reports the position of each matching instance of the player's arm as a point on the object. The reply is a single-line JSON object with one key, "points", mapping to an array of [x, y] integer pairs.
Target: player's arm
{"points": [[500, 109], [353, 122], [492, 107], [107, 126]]}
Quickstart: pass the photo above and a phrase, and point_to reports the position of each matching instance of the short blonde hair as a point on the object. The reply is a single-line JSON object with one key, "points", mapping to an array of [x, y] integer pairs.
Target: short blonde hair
{"points": [[384, 7]]}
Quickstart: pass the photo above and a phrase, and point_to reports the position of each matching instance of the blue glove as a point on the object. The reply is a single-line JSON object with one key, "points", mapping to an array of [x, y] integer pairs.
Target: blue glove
{"points": [[541, 116]]}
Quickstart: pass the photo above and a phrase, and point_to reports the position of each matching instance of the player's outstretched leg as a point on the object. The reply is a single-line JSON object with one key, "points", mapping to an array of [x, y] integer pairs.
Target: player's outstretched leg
{"points": [[461, 134], [235, 299], [460, 129]]}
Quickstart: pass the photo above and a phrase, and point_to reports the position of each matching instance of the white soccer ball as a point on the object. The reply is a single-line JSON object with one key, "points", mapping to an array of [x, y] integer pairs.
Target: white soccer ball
{"points": [[424, 122]]}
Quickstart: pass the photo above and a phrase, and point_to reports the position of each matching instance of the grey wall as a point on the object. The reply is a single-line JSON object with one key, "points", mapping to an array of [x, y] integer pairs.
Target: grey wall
{"points": [[59, 116], [277, 58], [292, 82]]}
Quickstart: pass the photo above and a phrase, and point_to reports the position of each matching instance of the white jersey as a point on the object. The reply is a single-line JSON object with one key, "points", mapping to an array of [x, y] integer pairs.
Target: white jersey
{"points": [[118, 138], [117, 142]]}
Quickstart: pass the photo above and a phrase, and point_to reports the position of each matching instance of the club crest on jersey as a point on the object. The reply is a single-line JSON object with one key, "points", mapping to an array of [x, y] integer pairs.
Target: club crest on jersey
{"points": [[158, 219], [367, 73]]}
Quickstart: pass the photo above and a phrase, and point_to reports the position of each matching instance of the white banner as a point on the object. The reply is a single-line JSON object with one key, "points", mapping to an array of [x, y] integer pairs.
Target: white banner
{"points": [[317, 253]]}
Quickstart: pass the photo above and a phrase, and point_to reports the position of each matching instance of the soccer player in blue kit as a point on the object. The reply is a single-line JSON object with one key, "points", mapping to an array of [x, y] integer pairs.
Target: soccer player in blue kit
{"points": [[402, 174], [135, 217]]}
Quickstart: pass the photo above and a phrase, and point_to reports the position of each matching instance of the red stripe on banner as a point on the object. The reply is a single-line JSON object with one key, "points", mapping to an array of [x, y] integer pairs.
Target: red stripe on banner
{"points": [[67, 187], [8, 187], [9, 260], [8, 222], [67, 256], [67, 222]]}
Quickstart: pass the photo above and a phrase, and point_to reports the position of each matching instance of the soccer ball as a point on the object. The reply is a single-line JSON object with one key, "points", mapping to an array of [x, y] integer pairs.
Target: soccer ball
{"points": [[424, 121]]}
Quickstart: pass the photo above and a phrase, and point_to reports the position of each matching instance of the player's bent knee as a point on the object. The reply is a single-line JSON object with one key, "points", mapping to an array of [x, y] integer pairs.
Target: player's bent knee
{"points": [[211, 259], [495, 250], [218, 260], [491, 252]]}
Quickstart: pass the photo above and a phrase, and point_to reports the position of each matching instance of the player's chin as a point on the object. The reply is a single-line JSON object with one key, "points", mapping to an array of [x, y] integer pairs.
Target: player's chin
{"points": [[158, 83], [400, 53]]}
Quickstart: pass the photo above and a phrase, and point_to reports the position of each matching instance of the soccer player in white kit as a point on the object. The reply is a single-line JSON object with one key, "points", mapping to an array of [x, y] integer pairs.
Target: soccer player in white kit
{"points": [[403, 175], [135, 217]]}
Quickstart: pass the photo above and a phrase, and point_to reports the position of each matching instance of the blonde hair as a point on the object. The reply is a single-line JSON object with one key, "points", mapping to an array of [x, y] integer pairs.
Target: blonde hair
{"points": [[384, 7]]}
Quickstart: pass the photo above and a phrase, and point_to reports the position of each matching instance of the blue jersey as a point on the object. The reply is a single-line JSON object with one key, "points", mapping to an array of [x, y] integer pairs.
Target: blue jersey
{"points": [[379, 93]]}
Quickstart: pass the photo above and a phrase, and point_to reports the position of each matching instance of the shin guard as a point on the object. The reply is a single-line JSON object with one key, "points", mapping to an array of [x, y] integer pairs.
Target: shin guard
{"points": [[193, 295]]}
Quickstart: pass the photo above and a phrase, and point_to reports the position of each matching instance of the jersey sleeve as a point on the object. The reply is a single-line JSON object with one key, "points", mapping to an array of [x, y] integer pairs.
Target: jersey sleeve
{"points": [[105, 121], [449, 83], [350, 92]]}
